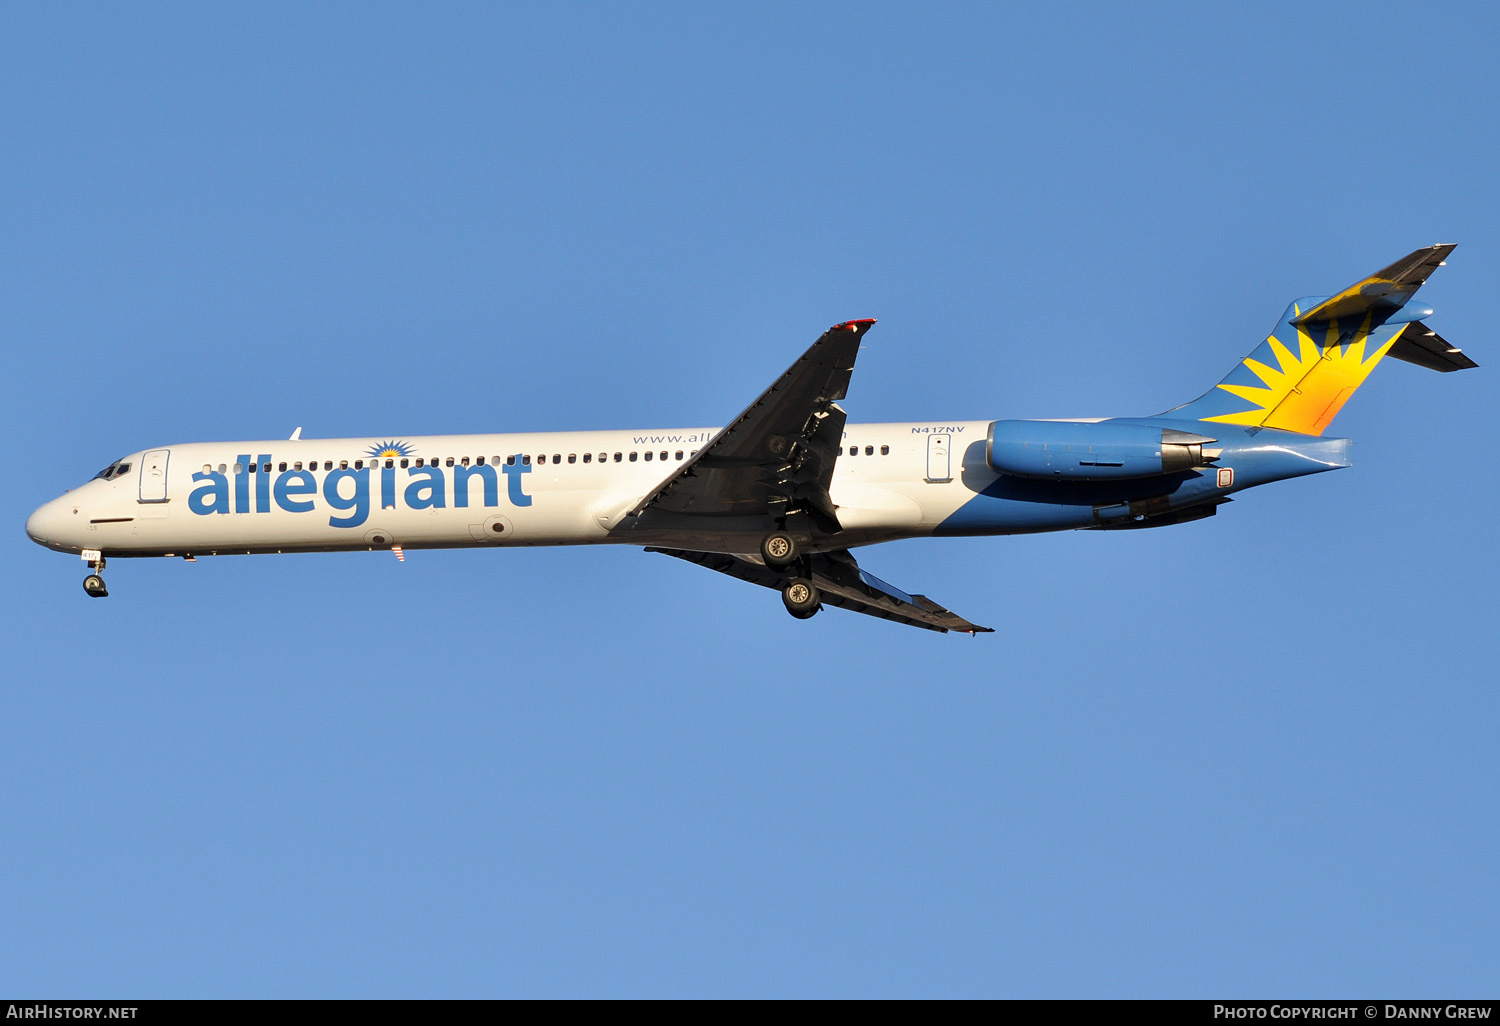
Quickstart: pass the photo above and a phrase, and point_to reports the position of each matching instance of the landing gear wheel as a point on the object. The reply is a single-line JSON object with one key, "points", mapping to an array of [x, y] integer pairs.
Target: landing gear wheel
{"points": [[801, 598], [94, 585], [778, 549]]}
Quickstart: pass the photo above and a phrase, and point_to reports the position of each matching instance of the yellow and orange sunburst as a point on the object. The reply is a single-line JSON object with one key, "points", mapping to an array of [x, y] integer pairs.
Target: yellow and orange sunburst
{"points": [[390, 448], [1311, 385]]}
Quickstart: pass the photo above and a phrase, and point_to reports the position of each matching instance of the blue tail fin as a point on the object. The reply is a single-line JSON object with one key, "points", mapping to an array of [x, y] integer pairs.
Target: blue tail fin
{"points": [[1323, 349]]}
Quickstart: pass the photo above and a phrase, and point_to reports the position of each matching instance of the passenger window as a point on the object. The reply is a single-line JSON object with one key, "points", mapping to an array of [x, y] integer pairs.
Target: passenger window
{"points": [[239, 468], [328, 464], [853, 450], [464, 461], [510, 461], [450, 461], [281, 466], [869, 450], [632, 457], [407, 463], [648, 457], [525, 460], [588, 457], [572, 457], [221, 468], [541, 457], [618, 457], [359, 464], [297, 465], [344, 464], [885, 450], [254, 467], [679, 454], [478, 461], [557, 457], [207, 469]]}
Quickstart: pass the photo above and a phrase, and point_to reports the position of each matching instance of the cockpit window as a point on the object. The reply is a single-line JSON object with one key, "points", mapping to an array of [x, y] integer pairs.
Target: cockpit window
{"points": [[115, 469]]}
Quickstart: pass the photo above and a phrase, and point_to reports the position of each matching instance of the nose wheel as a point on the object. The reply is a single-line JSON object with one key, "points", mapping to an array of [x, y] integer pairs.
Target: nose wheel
{"points": [[94, 582]]}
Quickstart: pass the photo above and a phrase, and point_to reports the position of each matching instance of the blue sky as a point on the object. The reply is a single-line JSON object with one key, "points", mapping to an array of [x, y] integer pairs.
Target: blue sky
{"points": [[1249, 756]]}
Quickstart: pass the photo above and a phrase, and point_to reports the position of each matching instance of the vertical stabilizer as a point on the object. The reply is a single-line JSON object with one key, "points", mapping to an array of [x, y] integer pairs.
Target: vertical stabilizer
{"points": [[1323, 349]]}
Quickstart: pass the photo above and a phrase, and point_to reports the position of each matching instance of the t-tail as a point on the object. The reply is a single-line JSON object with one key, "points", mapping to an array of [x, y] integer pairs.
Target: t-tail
{"points": [[1323, 349]]}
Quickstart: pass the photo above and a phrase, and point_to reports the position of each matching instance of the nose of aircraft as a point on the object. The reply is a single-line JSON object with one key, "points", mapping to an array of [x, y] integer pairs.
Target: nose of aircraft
{"points": [[48, 523]]}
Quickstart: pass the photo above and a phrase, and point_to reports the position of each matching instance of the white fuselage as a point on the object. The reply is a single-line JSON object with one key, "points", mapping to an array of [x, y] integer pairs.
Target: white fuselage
{"points": [[563, 488]]}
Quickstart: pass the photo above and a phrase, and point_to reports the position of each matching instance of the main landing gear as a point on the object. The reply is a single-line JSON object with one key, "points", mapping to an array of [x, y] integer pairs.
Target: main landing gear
{"points": [[780, 551], [801, 598], [94, 582]]}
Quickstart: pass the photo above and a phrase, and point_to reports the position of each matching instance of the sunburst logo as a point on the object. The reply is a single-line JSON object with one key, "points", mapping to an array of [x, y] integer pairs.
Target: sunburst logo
{"points": [[1310, 386], [391, 449]]}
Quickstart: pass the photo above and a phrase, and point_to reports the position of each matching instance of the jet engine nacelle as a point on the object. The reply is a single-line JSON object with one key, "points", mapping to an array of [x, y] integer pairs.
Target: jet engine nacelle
{"points": [[1103, 451]]}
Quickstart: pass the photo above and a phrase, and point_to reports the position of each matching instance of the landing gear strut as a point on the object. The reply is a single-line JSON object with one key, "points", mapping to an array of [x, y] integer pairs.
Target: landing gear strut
{"points": [[94, 582], [801, 598], [778, 550]]}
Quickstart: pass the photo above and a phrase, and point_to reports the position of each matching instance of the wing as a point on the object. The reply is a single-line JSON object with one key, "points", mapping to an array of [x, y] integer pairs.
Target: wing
{"points": [[777, 456], [842, 583]]}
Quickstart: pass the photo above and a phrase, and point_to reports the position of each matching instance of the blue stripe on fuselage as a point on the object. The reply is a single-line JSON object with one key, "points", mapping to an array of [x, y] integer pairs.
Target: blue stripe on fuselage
{"points": [[1018, 505]]}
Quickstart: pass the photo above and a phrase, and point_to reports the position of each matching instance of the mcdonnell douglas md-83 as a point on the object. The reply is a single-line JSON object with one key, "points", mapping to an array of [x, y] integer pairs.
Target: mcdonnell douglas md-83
{"points": [[783, 494]]}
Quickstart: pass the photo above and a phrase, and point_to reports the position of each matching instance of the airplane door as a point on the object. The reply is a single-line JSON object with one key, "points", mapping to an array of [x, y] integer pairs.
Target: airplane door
{"points": [[939, 462], [153, 487]]}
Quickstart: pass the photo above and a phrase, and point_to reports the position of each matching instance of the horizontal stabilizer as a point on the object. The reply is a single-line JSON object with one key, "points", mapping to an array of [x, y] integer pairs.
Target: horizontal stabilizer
{"points": [[1424, 347], [1388, 288]]}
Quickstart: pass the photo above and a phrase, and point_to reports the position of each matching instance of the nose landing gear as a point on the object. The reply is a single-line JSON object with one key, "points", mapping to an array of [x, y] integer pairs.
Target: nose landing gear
{"points": [[94, 582]]}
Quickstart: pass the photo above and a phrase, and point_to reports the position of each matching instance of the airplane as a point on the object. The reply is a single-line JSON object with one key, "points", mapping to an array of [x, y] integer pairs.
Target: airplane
{"points": [[781, 495]]}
